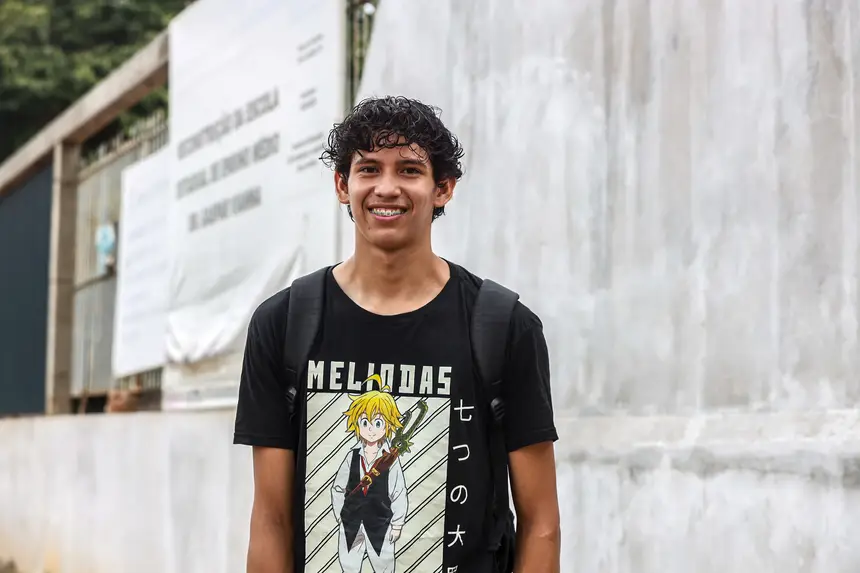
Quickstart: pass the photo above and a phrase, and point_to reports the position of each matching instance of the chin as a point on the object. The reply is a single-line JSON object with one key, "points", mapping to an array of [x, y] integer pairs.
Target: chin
{"points": [[387, 241]]}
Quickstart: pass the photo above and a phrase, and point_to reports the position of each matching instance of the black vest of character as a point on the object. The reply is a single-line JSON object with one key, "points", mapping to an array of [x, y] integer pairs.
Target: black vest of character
{"points": [[373, 509]]}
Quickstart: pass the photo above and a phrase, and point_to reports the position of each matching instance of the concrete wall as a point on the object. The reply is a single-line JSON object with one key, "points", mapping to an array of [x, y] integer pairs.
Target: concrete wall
{"points": [[167, 493], [137, 493], [745, 493], [672, 184]]}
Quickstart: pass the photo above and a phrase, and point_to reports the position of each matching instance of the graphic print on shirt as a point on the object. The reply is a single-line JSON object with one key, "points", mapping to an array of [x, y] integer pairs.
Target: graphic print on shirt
{"points": [[376, 473]]}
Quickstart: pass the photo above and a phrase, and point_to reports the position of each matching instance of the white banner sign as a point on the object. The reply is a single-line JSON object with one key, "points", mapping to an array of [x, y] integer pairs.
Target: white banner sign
{"points": [[141, 292], [253, 94]]}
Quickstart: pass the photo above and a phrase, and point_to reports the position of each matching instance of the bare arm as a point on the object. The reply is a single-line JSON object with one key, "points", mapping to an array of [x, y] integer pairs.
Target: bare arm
{"points": [[535, 497], [271, 545]]}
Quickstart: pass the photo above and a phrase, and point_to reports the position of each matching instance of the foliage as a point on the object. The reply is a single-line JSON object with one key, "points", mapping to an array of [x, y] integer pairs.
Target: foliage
{"points": [[54, 51]]}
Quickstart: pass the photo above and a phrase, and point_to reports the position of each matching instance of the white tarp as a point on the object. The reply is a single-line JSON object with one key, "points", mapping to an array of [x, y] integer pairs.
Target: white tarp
{"points": [[141, 291], [253, 93]]}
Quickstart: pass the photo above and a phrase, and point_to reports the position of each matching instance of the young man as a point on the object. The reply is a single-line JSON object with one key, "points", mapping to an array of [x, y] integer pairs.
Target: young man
{"points": [[385, 462]]}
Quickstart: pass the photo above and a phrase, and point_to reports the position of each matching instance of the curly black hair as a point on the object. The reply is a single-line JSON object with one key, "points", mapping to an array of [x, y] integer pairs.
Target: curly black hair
{"points": [[376, 123]]}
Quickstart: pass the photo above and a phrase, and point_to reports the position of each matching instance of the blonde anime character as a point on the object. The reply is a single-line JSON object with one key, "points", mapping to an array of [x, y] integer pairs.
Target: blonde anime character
{"points": [[369, 491]]}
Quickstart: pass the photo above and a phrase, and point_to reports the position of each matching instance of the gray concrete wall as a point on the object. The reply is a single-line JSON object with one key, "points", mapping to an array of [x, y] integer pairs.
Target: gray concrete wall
{"points": [[745, 493], [167, 493], [137, 493], [672, 184]]}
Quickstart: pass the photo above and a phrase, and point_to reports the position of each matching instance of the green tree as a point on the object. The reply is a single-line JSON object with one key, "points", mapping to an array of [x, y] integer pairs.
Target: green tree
{"points": [[53, 51]]}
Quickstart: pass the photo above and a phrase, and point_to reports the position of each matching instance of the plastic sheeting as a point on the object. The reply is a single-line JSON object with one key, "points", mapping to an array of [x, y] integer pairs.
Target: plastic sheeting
{"points": [[141, 290], [252, 94]]}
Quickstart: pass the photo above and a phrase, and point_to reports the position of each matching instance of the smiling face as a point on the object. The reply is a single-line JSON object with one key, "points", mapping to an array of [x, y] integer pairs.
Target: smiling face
{"points": [[373, 416], [372, 430], [392, 194]]}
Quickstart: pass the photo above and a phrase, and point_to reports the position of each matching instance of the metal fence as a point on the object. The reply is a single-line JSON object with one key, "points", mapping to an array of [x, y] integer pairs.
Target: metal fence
{"points": [[99, 199], [360, 16]]}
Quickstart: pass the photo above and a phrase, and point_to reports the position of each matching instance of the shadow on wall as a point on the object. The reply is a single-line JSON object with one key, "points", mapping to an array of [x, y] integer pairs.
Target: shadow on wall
{"points": [[8, 567]]}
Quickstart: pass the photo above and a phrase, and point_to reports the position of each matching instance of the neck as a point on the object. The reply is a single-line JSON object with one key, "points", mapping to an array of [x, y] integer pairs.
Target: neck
{"points": [[390, 282]]}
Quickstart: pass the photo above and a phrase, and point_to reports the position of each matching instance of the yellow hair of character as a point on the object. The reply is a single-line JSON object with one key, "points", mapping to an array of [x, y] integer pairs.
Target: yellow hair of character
{"points": [[372, 403]]}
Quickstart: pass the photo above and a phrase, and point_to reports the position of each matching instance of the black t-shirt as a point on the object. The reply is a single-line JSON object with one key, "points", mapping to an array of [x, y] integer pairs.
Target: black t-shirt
{"points": [[391, 429]]}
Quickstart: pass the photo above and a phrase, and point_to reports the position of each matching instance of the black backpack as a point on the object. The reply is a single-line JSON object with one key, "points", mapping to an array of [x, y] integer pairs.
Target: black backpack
{"points": [[491, 318]]}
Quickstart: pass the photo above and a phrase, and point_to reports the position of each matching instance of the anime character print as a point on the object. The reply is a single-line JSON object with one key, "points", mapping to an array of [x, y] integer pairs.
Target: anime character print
{"points": [[369, 494]]}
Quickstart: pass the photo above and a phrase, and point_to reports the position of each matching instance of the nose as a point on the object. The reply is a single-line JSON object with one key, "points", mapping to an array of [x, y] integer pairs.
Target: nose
{"points": [[387, 187]]}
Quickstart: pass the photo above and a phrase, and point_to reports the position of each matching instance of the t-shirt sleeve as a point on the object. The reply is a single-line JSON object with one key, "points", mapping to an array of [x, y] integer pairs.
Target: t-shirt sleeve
{"points": [[526, 386], [262, 418]]}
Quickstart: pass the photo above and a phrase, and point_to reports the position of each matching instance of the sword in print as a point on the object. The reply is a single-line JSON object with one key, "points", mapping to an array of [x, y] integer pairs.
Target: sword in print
{"points": [[401, 443]]}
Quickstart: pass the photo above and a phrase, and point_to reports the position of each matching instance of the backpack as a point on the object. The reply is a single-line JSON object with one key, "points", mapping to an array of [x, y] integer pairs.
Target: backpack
{"points": [[491, 318]]}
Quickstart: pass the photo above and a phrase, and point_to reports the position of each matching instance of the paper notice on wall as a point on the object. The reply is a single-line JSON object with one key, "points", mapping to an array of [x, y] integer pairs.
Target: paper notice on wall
{"points": [[140, 317], [253, 94]]}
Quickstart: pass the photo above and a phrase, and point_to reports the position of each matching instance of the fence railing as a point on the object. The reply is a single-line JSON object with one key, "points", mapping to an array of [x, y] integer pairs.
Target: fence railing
{"points": [[98, 219], [360, 17]]}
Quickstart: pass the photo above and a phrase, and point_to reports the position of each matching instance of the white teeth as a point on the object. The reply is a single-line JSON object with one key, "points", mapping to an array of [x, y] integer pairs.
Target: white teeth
{"points": [[387, 212]]}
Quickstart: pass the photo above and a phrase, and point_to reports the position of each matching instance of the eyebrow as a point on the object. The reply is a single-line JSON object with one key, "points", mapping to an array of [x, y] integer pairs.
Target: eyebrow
{"points": [[369, 160]]}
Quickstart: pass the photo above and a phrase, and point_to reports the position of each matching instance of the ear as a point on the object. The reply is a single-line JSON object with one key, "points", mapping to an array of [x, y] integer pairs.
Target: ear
{"points": [[444, 192], [341, 188]]}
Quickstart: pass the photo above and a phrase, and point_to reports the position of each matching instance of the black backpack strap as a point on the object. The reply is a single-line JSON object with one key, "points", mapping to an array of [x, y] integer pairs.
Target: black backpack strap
{"points": [[491, 318], [303, 320]]}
